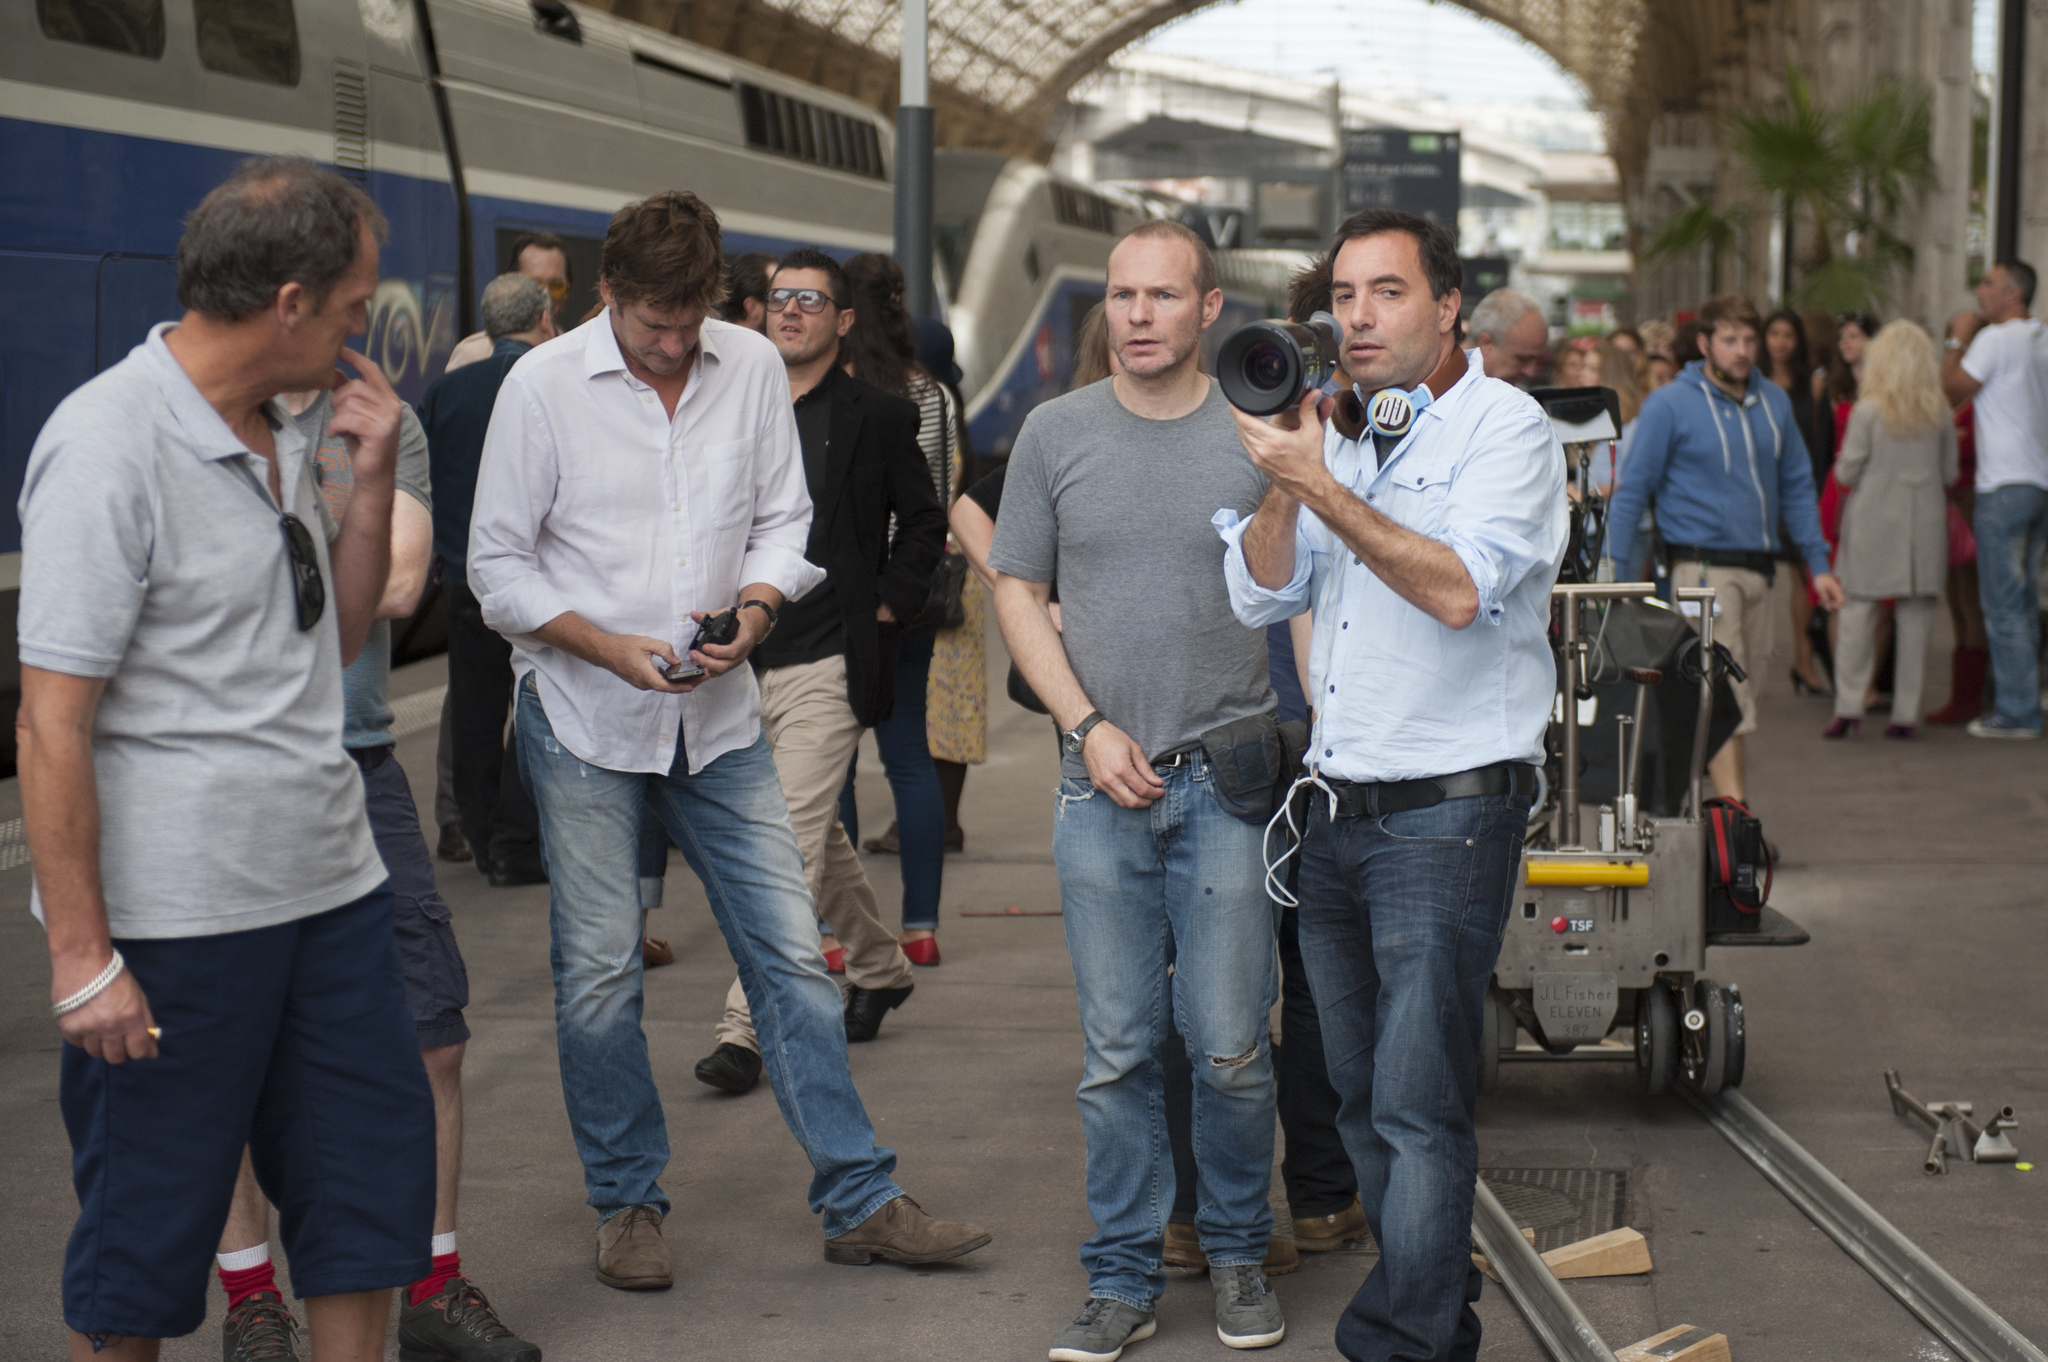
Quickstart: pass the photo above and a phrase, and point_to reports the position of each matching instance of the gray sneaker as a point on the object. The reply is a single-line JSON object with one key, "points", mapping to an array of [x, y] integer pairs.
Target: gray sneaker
{"points": [[1100, 1331], [1247, 1311]]}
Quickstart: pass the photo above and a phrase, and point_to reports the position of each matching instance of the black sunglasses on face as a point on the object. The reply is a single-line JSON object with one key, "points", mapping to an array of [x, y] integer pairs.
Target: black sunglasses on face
{"points": [[311, 589], [809, 300]]}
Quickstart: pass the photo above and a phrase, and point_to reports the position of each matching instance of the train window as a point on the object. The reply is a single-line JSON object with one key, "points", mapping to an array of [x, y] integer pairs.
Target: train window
{"points": [[805, 132], [254, 39], [557, 20], [132, 26], [1079, 208]]}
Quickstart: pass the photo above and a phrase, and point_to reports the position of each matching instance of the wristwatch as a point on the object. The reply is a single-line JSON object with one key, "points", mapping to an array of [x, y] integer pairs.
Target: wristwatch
{"points": [[765, 609], [1074, 737], [1952, 343]]}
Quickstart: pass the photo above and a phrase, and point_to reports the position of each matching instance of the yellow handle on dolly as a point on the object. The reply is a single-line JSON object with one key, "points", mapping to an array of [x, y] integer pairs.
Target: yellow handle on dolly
{"points": [[1624, 874]]}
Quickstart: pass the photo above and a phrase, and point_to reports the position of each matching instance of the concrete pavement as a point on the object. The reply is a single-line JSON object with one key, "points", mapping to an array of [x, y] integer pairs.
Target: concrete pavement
{"points": [[1917, 867]]}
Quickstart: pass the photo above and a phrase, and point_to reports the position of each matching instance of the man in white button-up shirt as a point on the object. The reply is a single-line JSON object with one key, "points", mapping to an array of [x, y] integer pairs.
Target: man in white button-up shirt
{"points": [[641, 473]]}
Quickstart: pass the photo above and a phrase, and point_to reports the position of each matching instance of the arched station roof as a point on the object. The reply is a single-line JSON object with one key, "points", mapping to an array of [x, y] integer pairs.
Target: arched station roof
{"points": [[1000, 69]]}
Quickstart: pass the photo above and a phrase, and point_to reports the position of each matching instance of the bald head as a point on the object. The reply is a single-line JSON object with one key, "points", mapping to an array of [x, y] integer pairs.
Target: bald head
{"points": [[1509, 330]]}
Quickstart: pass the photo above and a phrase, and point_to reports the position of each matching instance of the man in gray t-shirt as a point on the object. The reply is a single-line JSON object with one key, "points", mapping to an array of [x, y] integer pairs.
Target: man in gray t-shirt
{"points": [[1111, 490]]}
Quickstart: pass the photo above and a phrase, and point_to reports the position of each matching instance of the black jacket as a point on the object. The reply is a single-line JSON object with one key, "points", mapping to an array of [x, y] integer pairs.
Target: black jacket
{"points": [[874, 468]]}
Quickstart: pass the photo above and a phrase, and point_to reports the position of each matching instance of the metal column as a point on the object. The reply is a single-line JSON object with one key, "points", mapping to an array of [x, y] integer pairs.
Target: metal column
{"points": [[2008, 130], [914, 164]]}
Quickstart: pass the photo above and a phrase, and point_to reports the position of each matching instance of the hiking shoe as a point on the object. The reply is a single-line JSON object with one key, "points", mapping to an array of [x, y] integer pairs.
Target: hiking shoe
{"points": [[631, 1254], [1991, 726], [1328, 1233], [1100, 1331], [456, 1324], [1247, 1311], [260, 1329]]}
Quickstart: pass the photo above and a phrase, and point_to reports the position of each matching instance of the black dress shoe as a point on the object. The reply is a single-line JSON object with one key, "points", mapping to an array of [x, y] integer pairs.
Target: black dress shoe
{"points": [[507, 874], [730, 1068], [865, 1008]]}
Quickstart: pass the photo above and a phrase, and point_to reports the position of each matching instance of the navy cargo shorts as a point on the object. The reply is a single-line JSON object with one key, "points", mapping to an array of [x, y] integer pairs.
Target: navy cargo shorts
{"points": [[436, 981], [294, 1040]]}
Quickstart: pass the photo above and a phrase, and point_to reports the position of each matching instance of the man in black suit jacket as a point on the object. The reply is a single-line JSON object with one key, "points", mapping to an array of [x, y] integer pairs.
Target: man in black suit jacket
{"points": [[828, 669], [498, 818]]}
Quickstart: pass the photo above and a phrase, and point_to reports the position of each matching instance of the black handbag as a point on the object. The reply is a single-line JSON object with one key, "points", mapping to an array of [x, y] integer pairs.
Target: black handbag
{"points": [[946, 607], [1739, 868]]}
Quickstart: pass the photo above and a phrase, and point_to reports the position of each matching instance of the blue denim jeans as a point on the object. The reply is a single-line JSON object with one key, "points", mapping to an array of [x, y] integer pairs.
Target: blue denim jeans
{"points": [[914, 781], [732, 825], [1401, 922], [2011, 524], [1180, 884]]}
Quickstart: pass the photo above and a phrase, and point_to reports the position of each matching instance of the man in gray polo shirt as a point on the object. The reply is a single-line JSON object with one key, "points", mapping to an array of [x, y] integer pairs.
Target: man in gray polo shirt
{"points": [[219, 925], [1113, 487]]}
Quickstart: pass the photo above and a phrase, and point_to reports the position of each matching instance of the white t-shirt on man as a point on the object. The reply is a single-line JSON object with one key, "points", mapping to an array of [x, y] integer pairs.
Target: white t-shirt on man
{"points": [[2011, 360]]}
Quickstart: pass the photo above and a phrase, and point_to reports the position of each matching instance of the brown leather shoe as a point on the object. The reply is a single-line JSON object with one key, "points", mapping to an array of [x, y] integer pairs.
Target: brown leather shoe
{"points": [[631, 1254], [1183, 1256], [903, 1233], [654, 953], [1323, 1233]]}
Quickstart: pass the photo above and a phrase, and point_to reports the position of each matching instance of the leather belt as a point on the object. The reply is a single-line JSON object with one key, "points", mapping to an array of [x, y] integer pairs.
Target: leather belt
{"points": [[1753, 560], [1375, 798], [370, 758]]}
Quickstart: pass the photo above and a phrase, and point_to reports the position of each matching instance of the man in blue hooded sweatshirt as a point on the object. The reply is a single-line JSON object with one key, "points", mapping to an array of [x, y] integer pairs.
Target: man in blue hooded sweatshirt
{"points": [[1717, 452]]}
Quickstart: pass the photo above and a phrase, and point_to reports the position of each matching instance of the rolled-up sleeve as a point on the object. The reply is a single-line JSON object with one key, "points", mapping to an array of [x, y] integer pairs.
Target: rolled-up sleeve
{"points": [[514, 489], [1505, 515], [1254, 605], [782, 511]]}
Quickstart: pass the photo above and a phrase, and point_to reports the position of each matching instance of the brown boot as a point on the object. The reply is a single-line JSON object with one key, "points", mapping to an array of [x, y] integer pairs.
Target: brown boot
{"points": [[631, 1254], [903, 1233], [1183, 1256], [1323, 1233]]}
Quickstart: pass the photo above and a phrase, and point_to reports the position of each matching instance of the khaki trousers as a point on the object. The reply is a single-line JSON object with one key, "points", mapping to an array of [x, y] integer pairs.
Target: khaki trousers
{"points": [[812, 734], [1856, 655], [1744, 624]]}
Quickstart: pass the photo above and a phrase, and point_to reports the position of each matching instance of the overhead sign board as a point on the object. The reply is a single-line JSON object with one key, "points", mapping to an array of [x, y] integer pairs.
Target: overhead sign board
{"points": [[1402, 168]]}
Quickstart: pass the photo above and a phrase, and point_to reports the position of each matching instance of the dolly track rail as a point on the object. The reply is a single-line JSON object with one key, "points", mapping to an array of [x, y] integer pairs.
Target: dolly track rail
{"points": [[1969, 1326], [1551, 1313]]}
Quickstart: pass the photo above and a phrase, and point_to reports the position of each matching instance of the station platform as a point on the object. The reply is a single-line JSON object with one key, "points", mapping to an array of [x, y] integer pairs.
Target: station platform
{"points": [[1917, 867]]}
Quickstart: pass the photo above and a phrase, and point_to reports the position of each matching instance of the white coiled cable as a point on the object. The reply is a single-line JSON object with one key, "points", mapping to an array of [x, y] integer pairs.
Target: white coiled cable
{"points": [[1276, 881]]}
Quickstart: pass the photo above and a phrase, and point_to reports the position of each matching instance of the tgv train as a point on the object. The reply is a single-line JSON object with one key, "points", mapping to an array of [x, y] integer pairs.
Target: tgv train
{"points": [[469, 122]]}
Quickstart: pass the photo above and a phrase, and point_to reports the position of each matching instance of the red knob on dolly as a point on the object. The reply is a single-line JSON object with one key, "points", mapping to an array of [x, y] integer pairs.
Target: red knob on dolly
{"points": [[1560, 925]]}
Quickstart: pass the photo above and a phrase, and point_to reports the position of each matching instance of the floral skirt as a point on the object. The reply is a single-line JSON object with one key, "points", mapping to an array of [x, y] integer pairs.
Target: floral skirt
{"points": [[956, 696]]}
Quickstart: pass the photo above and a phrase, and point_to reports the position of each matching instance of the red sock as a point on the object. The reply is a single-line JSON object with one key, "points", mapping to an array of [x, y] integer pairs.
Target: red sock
{"points": [[446, 1266], [247, 1282]]}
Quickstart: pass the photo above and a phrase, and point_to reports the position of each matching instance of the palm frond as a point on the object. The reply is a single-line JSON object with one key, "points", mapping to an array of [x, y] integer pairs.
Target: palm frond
{"points": [[1842, 285], [1699, 225]]}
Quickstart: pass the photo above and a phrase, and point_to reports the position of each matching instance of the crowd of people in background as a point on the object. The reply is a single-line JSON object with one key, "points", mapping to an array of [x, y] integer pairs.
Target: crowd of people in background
{"points": [[1925, 465]]}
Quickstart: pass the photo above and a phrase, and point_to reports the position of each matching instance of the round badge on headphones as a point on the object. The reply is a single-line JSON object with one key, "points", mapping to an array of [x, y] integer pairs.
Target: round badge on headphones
{"points": [[1390, 413]]}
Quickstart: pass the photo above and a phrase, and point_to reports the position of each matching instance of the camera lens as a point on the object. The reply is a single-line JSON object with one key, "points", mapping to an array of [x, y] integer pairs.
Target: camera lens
{"points": [[1266, 366]]}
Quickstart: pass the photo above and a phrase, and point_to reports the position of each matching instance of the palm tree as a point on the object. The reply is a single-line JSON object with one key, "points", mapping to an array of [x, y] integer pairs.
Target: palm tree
{"points": [[1850, 168]]}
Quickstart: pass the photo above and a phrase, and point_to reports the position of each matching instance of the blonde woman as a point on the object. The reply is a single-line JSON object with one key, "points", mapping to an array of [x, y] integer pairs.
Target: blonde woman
{"points": [[1898, 454]]}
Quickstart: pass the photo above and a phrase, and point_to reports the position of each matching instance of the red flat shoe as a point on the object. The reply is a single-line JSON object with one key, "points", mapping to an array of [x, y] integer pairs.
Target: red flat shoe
{"points": [[923, 951], [835, 961]]}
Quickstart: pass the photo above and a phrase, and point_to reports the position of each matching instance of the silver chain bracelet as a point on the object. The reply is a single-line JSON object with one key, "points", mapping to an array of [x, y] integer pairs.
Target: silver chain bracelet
{"points": [[93, 989]]}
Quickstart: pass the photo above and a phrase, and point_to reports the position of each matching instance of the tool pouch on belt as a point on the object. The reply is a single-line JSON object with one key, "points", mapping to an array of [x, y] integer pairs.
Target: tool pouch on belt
{"points": [[1249, 770], [1738, 868]]}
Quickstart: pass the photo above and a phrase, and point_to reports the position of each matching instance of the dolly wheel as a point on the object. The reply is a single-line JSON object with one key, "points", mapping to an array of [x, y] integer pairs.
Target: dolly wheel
{"points": [[1731, 1075], [1656, 1038], [1703, 1048], [1496, 1033]]}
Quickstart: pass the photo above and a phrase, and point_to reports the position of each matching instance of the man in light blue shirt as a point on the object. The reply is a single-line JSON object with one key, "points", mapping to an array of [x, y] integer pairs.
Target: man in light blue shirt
{"points": [[1427, 550]]}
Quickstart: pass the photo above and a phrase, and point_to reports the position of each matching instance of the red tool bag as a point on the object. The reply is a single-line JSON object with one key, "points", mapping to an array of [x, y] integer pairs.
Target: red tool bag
{"points": [[1738, 868]]}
